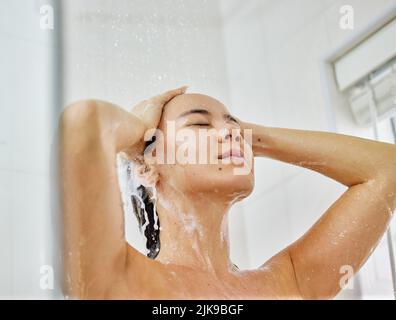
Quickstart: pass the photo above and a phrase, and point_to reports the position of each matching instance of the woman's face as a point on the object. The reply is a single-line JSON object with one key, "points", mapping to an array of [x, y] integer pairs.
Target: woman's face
{"points": [[204, 149]]}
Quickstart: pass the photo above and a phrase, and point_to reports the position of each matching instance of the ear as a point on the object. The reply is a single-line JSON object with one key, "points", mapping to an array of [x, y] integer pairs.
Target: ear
{"points": [[146, 174]]}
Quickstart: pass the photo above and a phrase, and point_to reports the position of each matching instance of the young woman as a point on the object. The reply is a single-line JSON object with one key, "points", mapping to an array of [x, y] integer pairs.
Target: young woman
{"points": [[189, 252]]}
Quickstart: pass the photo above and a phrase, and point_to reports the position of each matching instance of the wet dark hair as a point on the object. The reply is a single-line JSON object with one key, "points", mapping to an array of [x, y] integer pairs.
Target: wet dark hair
{"points": [[153, 244], [147, 211]]}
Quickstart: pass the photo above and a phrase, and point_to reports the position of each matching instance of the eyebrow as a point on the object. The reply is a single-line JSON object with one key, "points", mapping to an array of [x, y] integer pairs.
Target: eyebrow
{"points": [[192, 111], [226, 116]]}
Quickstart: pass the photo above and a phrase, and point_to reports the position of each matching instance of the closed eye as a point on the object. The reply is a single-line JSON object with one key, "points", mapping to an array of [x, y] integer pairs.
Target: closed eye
{"points": [[201, 124]]}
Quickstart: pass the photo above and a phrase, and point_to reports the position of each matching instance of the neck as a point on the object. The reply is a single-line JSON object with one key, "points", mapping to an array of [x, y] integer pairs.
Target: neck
{"points": [[193, 230]]}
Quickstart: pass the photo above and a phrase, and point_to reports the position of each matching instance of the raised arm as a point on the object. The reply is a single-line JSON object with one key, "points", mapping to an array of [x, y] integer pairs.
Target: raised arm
{"points": [[350, 229], [91, 134]]}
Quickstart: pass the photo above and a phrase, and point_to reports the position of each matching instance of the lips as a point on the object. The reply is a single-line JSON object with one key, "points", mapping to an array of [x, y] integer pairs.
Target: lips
{"points": [[233, 153]]}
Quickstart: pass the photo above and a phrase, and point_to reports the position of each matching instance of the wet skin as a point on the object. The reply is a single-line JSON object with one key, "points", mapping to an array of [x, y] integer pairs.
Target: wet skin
{"points": [[194, 262]]}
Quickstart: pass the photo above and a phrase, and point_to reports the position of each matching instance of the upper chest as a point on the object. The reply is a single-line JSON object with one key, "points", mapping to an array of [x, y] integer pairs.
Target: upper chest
{"points": [[168, 282]]}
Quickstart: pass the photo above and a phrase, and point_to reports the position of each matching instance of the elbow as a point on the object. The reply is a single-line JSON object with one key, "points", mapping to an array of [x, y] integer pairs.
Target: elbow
{"points": [[79, 124], [78, 113]]}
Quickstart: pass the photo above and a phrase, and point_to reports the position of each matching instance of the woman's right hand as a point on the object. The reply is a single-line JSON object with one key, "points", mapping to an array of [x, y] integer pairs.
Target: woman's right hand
{"points": [[150, 111]]}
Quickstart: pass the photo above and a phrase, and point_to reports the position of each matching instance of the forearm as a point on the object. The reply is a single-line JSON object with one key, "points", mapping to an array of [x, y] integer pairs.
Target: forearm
{"points": [[346, 159]]}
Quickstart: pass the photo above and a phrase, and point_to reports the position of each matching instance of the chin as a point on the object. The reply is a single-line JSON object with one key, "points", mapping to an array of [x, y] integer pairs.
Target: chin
{"points": [[222, 182]]}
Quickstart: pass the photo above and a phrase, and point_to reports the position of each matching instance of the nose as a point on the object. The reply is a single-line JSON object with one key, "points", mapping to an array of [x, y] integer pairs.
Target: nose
{"points": [[227, 134]]}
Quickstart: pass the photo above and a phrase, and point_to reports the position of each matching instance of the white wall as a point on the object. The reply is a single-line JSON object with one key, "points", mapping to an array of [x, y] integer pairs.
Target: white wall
{"points": [[27, 112]]}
